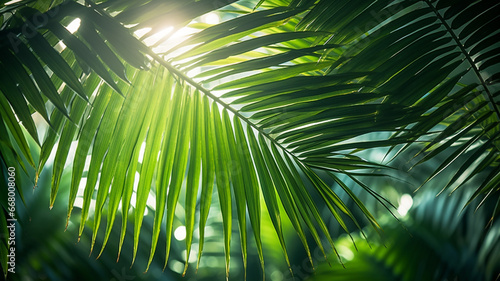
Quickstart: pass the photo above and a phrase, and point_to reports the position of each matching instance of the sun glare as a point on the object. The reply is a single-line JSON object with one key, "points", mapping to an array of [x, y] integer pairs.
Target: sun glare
{"points": [[74, 25], [12, 2], [180, 233], [153, 39], [210, 18], [405, 204], [164, 39]]}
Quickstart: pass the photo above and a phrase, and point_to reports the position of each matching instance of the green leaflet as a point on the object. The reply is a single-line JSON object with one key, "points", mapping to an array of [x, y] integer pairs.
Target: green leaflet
{"points": [[158, 139], [462, 149], [194, 170], [83, 52], [77, 110], [299, 191], [237, 182], [127, 46], [222, 178], [118, 158], [222, 30], [24, 83], [101, 142], [478, 154], [180, 160], [268, 190], [58, 120], [98, 45], [271, 75], [331, 199], [56, 63], [85, 140], [15, 129], [127, 132], [42, 79], [262, 63], [208, 174], [8, 153], [283, 192], [251, 185], [251, 44], [153, 141], [293, 84]]}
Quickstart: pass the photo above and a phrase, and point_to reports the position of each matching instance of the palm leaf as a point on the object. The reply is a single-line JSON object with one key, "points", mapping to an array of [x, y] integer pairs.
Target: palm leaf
{"points": [[324, 84]]}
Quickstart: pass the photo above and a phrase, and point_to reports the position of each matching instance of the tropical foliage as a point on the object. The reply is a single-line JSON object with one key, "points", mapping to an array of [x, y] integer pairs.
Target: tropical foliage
{"points": [[281, 100], [444, 246]]}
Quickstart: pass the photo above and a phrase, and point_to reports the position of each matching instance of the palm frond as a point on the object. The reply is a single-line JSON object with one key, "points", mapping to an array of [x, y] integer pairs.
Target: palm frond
{"points": [[282, 94], [436, 61]]}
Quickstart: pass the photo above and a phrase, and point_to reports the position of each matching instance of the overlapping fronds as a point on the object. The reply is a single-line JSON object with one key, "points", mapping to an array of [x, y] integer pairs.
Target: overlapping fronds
{"points": [[436, 65], [263, 104], [190, 137]]}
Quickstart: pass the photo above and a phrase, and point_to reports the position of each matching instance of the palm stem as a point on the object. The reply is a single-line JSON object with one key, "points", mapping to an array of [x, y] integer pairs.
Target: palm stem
{"points": [[202, 89]]}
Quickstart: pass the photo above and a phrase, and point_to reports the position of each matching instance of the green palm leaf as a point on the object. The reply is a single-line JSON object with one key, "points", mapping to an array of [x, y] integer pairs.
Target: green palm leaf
{"points": [[287, 90]]}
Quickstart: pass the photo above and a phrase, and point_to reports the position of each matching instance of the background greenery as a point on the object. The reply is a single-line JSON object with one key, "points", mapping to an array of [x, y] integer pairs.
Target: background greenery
{"points": [[288, 123]]}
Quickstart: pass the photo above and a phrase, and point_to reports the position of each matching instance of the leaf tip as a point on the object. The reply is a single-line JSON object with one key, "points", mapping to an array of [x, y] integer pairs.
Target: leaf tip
{"points": [[185, 268]]}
